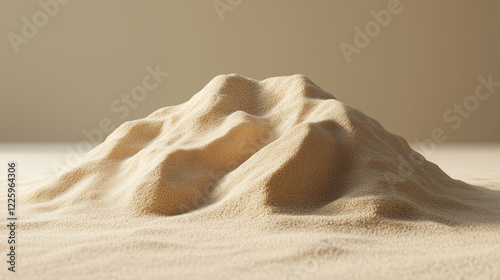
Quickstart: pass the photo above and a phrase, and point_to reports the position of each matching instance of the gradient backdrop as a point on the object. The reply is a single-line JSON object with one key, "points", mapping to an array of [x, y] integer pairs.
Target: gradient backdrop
{"points": [[66, 67]]}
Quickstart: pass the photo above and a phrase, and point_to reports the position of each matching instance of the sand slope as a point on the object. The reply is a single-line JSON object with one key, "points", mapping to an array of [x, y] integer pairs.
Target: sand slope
{"points": [[272, 179]]}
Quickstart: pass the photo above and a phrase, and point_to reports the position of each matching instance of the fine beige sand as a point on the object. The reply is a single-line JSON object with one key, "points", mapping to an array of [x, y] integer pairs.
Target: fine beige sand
{"points": [[272, 179]]}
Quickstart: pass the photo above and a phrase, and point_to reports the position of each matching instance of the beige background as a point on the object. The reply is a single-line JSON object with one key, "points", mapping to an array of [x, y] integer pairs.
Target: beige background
{"points": [[65, 78]]}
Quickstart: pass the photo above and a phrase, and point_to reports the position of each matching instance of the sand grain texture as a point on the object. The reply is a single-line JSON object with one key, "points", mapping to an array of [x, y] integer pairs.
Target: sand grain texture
{"points": [[272, 179]]}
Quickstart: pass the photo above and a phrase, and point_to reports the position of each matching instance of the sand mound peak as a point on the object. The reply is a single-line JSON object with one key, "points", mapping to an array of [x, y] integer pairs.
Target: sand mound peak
{"points": [[281, 145]]}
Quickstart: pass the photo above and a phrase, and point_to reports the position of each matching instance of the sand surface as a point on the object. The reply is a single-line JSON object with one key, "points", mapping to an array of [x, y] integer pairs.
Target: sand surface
{"points": [[272, 179]]}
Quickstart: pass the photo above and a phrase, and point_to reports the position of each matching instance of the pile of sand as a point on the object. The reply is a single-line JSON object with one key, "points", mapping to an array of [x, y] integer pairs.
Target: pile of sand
{"points": [[272, 179]]}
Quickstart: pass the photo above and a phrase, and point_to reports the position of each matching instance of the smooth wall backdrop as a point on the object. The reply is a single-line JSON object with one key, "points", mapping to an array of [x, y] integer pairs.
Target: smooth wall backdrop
{"points": [[71, 70]]}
